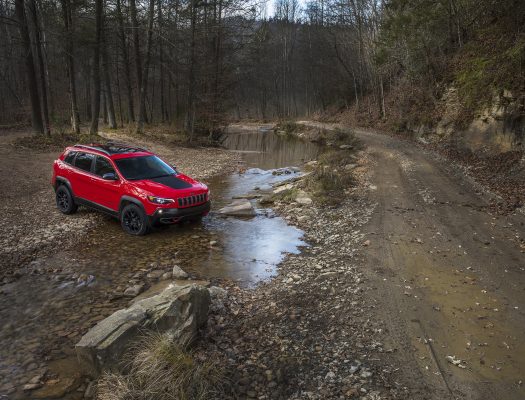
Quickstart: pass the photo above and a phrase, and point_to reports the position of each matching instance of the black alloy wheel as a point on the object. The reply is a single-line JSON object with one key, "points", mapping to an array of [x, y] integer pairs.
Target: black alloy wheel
{"points": [[64, 200], [134, 220]]}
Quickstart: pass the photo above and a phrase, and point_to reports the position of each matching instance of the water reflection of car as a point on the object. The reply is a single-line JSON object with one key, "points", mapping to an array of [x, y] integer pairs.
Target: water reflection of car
{"points": [[129, 183]]}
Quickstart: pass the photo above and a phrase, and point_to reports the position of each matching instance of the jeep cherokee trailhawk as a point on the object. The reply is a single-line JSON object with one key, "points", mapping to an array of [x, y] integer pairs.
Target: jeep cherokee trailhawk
{"points": [[129, 183]]}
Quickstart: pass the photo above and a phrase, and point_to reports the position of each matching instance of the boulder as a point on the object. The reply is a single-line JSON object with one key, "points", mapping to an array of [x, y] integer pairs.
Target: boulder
{"points": [[166, 276], [349, 167], [155, 274], [178, 311], [302, 198], [134, 290], [238, 208], [179, 273], [217, 292]]}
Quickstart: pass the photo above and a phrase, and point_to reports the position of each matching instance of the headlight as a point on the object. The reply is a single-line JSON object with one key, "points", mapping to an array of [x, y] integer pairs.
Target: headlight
{"points": [[160, 200], [208, 195]]}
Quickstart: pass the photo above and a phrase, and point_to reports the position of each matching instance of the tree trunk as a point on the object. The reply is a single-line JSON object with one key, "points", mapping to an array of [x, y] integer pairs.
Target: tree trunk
{"points": [[217, 69], [95, 102], [103, 106], [112, 120], [36, 112], [142, 96], [136, 42], [125, 57], [189, 124], [119, 99], [42, 70], [163, 114], [70, 61]]}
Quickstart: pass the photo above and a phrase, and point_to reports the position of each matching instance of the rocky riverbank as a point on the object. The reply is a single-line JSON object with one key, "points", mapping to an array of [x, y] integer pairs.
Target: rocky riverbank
{"points": [[308, 332], [56, 279]]}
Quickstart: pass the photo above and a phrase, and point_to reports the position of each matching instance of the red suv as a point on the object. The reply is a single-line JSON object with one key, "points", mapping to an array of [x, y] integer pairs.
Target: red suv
{"points": [[129, 183]]}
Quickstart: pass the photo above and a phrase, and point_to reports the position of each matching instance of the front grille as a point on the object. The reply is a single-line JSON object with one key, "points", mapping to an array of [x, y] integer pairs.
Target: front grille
{"points": [[192, 200]]}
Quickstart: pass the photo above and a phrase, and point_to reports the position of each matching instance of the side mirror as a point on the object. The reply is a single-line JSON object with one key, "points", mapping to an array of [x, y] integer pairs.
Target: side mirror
{"points": [[110, 176]]}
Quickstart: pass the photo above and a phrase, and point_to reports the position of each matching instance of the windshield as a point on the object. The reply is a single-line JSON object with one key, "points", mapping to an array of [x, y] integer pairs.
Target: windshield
{"points": [[147, 167]]}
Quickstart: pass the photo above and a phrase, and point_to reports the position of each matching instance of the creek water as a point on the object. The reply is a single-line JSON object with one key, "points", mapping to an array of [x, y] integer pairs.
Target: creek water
{"points": [[45, 313]]}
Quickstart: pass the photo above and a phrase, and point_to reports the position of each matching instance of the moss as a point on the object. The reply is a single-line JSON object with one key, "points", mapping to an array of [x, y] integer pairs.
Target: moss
{"points": [[472, 80]]}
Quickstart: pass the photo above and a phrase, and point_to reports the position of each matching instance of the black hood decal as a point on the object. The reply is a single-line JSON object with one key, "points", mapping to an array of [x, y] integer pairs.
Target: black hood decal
{"points": [[172, 181]]}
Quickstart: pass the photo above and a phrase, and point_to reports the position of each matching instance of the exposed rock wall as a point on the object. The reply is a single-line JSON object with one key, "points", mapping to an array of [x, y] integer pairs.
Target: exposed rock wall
{"points": [[498, 128]]}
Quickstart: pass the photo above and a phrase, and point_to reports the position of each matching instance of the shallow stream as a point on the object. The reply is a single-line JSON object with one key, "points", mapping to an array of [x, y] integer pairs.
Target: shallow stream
{"points": [[46, 312]]}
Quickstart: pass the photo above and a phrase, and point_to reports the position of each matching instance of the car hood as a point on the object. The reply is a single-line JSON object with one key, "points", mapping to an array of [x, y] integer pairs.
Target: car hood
{"points": [[171, 186]]}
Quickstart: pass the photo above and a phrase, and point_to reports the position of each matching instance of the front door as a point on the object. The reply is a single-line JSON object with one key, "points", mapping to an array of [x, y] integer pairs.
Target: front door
{"points": [[106, 191]]}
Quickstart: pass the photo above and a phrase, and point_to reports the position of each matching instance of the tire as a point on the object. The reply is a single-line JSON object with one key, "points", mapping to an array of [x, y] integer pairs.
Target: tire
{"points": [[134, 220], [64, 200]]}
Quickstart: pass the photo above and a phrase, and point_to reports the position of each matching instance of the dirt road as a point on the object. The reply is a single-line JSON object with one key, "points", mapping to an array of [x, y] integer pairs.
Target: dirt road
{"points": [[450, 277]]}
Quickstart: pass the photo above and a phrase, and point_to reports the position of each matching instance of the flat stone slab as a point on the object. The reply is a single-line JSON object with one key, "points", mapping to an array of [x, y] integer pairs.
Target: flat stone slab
{"points": [[179, 311], [238, 208]]}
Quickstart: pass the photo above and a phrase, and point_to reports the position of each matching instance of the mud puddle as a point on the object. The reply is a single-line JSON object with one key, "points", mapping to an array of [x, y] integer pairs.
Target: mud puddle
{"points": [[46, 311]]}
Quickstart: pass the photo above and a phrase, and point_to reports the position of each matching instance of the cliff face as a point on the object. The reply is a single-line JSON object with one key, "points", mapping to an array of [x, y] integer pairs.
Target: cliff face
{"points": [[497, 128]]}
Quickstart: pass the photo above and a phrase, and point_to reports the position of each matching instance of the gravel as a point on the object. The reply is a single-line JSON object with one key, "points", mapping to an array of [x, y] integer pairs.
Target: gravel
{"points": [[307, 334]]}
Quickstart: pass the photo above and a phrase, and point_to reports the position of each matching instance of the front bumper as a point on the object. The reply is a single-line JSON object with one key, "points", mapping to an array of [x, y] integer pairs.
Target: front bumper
{"points": [[175, 215]]}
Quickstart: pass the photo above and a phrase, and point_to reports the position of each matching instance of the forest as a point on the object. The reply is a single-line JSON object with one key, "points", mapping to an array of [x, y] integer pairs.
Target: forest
{"points": [[196, 64]]}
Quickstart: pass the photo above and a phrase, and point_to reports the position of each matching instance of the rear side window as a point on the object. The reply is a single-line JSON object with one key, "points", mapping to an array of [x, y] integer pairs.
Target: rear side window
{"points": [[83, 161], [103, 166], [70, 157]]}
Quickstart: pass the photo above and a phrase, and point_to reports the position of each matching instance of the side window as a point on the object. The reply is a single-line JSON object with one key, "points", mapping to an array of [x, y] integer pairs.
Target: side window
{"points": [[70, 157], [83, 161], [103, 166]]}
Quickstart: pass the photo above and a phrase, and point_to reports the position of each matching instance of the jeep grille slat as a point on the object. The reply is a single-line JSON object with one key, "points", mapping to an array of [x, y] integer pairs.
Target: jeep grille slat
{"points": [[191, 200]]}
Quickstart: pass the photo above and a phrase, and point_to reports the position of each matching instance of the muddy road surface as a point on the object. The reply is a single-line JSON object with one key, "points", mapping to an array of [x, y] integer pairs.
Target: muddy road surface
{"points": [[450, 276]]}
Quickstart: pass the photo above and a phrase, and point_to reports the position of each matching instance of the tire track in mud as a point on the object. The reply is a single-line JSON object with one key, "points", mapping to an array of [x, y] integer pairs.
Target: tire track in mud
{"points": [[443, 278]]}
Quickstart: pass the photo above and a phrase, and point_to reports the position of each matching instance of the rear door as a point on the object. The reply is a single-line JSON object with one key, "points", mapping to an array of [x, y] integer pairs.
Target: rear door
{"points": [[82, 179], [106, 192], [66, 169]]}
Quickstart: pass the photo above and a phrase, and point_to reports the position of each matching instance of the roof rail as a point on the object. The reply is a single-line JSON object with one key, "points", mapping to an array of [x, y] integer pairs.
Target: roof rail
{"points": [[125, 145], [85, 146]]}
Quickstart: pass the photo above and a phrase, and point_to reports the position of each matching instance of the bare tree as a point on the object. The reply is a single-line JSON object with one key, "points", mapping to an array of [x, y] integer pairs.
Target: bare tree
{"points": [[108, 94], [143, 86], [36, 112], [70, 60], [95, 101], [42, 68]]}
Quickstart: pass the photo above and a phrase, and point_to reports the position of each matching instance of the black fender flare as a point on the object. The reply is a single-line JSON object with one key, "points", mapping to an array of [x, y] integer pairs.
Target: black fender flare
{"points": [[60, 180], [128, 199]]}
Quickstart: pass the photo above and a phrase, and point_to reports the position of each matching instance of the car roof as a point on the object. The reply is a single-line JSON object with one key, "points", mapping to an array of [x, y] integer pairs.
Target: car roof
{"points": [[114, 150]]}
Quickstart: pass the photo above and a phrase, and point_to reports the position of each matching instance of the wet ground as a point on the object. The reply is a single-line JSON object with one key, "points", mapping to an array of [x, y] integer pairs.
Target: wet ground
{"points": [[61, 295], [449, 277]]}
